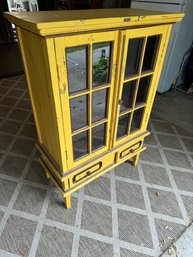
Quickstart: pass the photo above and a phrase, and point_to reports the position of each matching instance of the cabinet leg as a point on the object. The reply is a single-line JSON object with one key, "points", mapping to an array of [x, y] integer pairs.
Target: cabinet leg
{"points": [[135, 160], [47, 175], [67, 201]]}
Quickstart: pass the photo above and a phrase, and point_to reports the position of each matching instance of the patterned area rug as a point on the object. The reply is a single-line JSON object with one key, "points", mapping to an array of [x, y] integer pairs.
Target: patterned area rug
{"points": [[135, 212]]}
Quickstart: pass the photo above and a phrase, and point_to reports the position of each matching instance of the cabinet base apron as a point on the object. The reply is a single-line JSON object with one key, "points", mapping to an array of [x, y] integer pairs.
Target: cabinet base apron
{"points": [[73, 180]]}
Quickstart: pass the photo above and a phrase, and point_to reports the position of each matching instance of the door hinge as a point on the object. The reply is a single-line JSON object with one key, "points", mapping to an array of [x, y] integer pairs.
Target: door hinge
{"points": [[66, 155]]}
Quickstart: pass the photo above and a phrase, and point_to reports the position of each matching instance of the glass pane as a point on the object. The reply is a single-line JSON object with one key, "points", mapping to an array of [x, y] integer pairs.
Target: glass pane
{"points": [[78, 111], [80, 145], [150, 53], [127, 95], [143, 89], [133, 56], [136, 121], [77, 68], [99, 99], [98, 136], [101, 62], [122, 125]]}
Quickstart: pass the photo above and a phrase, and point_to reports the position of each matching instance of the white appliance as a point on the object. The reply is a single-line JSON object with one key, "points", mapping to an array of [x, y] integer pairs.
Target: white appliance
{"points": [[181, 36], [23, 5]]}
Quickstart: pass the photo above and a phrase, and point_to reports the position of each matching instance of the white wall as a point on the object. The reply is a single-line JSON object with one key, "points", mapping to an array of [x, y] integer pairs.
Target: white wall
{"points": [[185, 35]]}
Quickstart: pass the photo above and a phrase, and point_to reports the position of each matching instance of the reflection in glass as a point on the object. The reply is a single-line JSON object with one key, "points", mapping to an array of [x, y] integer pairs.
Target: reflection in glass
{"points": [[150, 53], [99, 105], [98, 137], [143, 89], [123, 125], [77, 68], [133, 56], [78, 111], [80, 145], [127, 95], [136, 121], [101, 62]]}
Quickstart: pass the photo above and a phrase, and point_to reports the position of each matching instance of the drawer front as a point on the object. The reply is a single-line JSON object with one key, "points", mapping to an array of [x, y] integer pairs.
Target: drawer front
{"points": [[91, 169], [129, 151], [88, 172], [94, 169]]}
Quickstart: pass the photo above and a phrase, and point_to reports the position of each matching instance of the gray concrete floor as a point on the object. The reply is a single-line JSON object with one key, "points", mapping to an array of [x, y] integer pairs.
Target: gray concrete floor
{"points": [[176, 107]]}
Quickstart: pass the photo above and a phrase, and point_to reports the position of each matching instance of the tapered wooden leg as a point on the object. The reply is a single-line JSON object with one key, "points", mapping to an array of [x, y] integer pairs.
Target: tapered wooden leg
{"points": [[135, 160], [67, 201]]}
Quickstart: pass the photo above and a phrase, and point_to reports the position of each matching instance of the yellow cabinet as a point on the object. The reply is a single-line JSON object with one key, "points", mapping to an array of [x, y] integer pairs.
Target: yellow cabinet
{"points": [[92, 77]]}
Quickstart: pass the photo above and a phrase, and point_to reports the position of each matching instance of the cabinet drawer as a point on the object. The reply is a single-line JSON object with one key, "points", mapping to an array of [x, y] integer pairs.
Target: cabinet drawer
{"points": [[87, 172], [129, 151]]}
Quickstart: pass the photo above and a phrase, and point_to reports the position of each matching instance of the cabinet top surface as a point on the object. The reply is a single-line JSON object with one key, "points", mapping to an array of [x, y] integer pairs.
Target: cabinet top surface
{"points": [[56, 22]]}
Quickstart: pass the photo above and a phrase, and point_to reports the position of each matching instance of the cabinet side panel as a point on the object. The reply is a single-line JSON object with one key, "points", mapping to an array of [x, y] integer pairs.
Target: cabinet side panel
{"points": [[40, 93], [51, 69]]}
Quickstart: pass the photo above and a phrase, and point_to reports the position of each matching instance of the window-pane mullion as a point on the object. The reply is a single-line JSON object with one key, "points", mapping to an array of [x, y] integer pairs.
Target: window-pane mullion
{"points": [[90, 97], [101, 87], [78, 131], [78, 94], [129, 124]]}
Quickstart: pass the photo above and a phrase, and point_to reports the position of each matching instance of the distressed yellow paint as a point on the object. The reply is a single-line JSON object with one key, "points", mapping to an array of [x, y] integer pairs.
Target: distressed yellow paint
{"points": [[55, 22], [43, 38]]}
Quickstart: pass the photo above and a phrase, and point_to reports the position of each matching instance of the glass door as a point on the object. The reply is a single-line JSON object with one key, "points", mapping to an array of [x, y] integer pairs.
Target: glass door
{"points": [[86, 66], [140, 66]]}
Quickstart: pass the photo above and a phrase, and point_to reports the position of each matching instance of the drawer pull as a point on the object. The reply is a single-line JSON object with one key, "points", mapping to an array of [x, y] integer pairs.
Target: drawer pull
{"points": [[85, 173], [130, 150]]}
